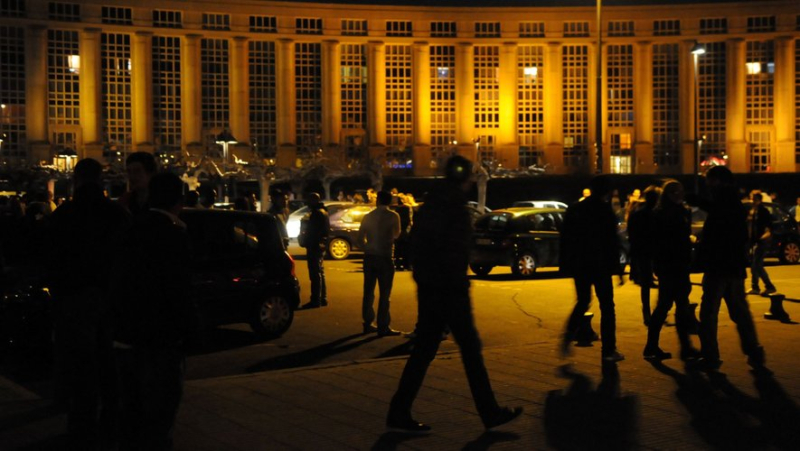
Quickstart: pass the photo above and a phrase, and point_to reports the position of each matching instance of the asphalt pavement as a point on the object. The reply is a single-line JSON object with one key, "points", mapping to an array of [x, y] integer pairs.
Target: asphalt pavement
{"points": [[572, 403]]}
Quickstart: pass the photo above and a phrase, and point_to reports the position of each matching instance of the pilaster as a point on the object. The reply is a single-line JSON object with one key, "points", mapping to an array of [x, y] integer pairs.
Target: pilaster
{"points": [[142, 87]]}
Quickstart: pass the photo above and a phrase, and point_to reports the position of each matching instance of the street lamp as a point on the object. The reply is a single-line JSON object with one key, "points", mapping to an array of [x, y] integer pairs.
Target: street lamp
{"points": [[696, 51], [225, 139]]}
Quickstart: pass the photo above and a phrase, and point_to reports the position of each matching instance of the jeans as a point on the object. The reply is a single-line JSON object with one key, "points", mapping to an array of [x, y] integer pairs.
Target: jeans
{"points": [[316, 272], [377, 269], [605, 294], [440, 307], [672, 289], [757, 268], [715, 288]]}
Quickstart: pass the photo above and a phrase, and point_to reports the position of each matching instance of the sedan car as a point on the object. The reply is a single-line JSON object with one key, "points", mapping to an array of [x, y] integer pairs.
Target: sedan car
{"points": [[523, 238], [345, 223], [293, 222]]}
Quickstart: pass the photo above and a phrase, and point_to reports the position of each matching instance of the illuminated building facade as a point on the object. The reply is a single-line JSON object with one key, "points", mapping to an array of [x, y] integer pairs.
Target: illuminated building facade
{"points": [[405, 85]]}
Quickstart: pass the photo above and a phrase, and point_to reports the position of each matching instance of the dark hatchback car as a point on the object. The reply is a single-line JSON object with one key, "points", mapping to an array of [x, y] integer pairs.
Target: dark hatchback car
{"points": [[785, 242], [523, 238], [240, 271]]}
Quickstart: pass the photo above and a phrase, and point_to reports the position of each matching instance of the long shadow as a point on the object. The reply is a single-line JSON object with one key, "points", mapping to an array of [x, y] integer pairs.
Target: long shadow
{"points": [[312, 356], [397, 351], [583, 417], [489, 438], [221, 339], [727, 418], [389, 441]]}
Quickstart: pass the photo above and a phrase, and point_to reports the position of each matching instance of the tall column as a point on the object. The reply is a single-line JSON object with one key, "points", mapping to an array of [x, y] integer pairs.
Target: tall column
{"points": [[465, 100], [239, 92], [643, 107], [421, 116], [286, 103], [142, 86], [36, 93], [784, 108], [735, 106], [686, 105], [90, 85], [376, 105], [191, 123], [507, 145], [553, 106], [331, 93]]}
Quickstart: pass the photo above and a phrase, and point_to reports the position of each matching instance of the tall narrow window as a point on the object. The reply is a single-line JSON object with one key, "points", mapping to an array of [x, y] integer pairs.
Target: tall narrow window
{"points": [[115, 51], [308, 90], [530, 104], [575, 87], [215, 89], [263, 106], [443, 101], [712, 100], [12, 74], [666, 139], [63, 75], [399, 106], [487, 99], [167, 93], [760, 83]]}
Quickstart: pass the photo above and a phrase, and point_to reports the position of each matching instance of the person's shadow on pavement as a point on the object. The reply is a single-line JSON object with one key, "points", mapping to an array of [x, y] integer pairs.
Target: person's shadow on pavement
{"points": [[584, 417], [389, 441], [727, 418]]}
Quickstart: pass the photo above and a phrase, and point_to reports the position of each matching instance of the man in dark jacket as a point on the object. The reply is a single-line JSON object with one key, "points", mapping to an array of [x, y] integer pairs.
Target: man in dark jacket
{"points": [[314, 237], [83, 238], [723, 257], [589, 252], [154, 314], [441, 239]]}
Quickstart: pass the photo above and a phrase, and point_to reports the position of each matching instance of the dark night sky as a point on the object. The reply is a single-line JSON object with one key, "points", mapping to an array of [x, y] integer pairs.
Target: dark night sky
{"points": [[518, 3]]}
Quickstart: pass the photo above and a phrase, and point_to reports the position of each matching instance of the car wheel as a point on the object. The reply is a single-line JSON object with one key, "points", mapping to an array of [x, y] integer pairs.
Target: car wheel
{"points": [[272, 316], [525, 265], [790, 253], [481, 270], [339, 249]]}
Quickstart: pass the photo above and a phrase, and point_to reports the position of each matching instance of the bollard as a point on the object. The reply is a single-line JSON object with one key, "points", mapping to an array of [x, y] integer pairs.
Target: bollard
{"points": [[586, 335], [776, 310]]}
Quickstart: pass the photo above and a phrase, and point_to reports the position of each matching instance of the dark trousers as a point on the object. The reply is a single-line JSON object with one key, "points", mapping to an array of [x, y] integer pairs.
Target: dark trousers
{"points": [[716, 288], [316, 272], [644, 265], [440, 307], [377, 269], [151, 387], [757, 270], [84, 370], [672, 289], [604, 290]]}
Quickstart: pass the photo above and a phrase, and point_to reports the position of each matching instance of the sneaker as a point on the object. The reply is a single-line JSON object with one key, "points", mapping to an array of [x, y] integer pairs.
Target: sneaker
{"points": [[369, 328], [656, 354], [615, 356], [768, 291], [407, 426], [754, 291], [504, 415], [389, 333]]}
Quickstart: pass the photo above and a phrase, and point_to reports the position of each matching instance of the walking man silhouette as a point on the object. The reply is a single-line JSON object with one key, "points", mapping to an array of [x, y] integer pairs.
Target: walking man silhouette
{"points": [[440, 240]]}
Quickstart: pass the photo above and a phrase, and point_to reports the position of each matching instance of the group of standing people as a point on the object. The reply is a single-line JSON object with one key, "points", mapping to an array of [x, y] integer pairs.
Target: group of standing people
{"points": [[123, 310], [662, 243]]}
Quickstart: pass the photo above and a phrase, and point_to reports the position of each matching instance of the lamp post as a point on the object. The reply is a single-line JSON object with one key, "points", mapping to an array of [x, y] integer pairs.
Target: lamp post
{"points": [[599, 93], [696, 51], [225, 139]]}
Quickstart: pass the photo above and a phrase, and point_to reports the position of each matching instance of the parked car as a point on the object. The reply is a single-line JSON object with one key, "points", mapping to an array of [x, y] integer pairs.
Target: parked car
{"points": [[293, 222], [240, 272], [785, 242], [344, 230], [540, 204], [523, 238]]}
